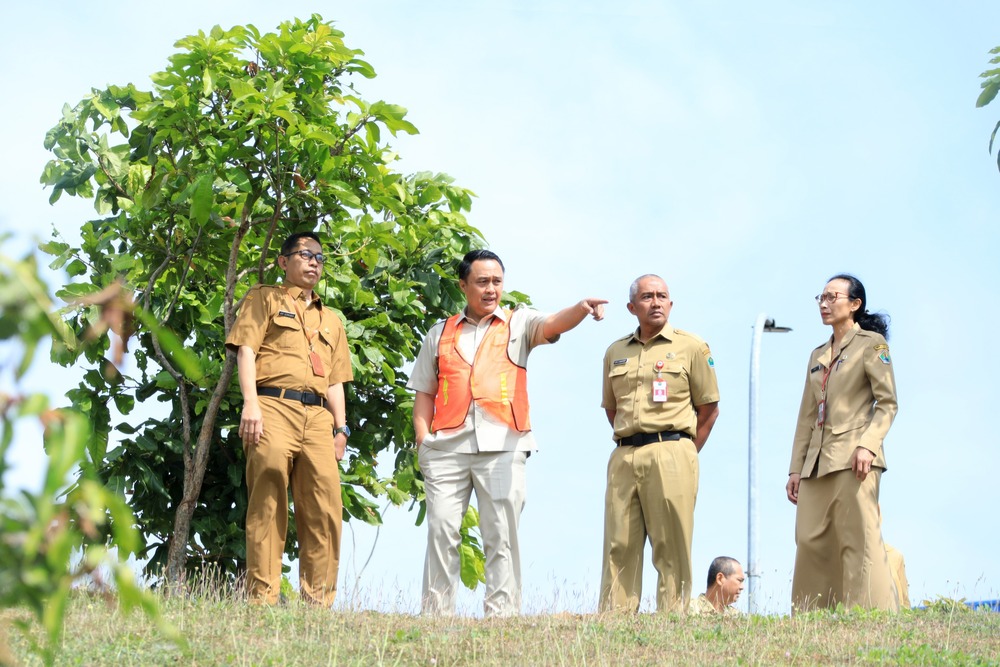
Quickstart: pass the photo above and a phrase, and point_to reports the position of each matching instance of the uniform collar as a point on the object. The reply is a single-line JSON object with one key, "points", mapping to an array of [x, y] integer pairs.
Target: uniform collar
{"points": [[826, 356], [296, 295], [666, 333], [498, 312]]}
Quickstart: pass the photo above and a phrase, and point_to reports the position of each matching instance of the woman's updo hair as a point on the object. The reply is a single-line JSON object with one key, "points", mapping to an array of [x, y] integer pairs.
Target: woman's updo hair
{"points": [[877, 322]]}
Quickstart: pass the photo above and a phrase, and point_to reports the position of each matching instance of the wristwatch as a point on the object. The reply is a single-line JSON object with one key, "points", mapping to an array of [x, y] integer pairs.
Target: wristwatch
{"points": [[345, 429]]}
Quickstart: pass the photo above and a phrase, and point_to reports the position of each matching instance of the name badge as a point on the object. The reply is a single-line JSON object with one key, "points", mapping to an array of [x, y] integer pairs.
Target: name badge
{"points": [[659, 390], [317, 364], [285, 313]]}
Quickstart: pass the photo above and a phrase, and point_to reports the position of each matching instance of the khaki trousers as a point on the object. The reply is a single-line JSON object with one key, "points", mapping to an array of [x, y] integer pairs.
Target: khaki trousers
{"points": [[651, 492], [840, 556], [897, 565], [498, 479], [296, 450]]}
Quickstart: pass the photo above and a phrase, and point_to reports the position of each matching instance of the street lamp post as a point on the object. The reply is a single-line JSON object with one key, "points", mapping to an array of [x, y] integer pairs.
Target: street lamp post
{"points": [[762, 325]]}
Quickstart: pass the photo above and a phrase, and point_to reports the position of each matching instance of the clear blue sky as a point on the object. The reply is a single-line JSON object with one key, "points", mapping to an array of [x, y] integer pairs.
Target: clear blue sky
{"points": [[743, 152]]}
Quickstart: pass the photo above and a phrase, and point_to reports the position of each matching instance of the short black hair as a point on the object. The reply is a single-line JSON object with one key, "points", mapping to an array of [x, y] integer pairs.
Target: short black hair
{"points": [[723, 564], [292, 242], [474, 256]]}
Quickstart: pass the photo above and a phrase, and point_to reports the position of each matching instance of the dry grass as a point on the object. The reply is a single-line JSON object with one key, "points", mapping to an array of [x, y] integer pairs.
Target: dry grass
{"points": [[223, 631]]}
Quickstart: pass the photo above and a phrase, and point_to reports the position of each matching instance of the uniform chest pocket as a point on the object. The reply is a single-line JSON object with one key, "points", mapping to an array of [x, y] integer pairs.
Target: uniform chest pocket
{"points": [[676, 376], [324, 346], [618, 377], [284, 333]]}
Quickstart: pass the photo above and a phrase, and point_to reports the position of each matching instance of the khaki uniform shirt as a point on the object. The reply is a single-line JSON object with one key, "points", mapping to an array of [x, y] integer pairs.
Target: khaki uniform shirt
{"points": [[701, 605], [860, 404], [480, 432], [269, 323], [629, 371]]}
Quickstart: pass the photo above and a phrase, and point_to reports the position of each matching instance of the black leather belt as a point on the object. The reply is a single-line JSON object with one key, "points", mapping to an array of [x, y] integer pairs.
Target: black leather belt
{"points": [[304, 397], [640, 439]]}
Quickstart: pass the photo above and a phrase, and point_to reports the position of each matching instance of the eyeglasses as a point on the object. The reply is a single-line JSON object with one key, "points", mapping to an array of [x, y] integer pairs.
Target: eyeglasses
{"points": [[828, 297], [308, 255]]}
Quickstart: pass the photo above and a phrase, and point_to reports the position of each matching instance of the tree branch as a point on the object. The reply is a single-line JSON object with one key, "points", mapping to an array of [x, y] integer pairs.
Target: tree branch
{"points": [[119, 188], [170, 256], [276, 215], [183, 278], [339, 148], [182, 392]]}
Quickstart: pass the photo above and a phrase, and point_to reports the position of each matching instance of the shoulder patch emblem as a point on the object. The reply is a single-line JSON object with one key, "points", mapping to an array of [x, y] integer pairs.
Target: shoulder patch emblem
{"points": [[711, 362], [884, 356]]}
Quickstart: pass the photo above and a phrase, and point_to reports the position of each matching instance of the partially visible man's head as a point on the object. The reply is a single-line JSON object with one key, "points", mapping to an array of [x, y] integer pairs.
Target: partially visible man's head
{"points": [[293, 242], [474, 256], [725, 581]]}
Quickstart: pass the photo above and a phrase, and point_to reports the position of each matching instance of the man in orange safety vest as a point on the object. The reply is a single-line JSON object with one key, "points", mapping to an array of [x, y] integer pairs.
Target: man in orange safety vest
{"points": [[470, 417]]}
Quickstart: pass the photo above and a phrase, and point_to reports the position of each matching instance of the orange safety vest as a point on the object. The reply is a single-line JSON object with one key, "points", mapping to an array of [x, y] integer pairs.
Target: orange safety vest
{"points": [[497, 384]]}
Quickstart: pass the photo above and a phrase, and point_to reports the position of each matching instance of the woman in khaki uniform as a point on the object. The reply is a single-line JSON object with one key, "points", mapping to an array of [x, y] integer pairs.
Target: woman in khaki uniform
{"points": [[837, 462]]}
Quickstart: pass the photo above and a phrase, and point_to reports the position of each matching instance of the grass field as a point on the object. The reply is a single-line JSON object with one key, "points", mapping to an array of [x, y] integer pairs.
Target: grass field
{"points": [[224, 631]]}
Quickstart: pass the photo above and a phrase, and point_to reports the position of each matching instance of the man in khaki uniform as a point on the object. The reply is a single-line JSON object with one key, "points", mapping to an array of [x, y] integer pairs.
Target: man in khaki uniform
{"points": [[662, 398], [293, 359], [725, 583]]}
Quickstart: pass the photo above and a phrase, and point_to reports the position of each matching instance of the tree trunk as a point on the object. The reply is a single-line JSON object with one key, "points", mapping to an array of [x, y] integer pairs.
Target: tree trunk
{"points": [[194, 475]]}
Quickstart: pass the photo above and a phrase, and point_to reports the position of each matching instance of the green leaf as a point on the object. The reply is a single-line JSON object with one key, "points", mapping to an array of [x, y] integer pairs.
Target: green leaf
{"points": [[207, 82], [235, 473], [201, 200], [324, 137], [241, 90], [471, 518], [993, 135], [473, 569], [75, 176], [990, 89]]}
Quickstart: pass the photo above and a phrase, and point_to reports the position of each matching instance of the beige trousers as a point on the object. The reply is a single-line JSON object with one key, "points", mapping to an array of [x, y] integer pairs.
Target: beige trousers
{"points": [[840, 556], [651, 492], [296, 450], [498, 479]]}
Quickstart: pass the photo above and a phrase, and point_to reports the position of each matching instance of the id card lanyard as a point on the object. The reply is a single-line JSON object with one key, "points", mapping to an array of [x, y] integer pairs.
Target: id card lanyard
{"points": [[317, 363], [659, 385], [821, 408]]}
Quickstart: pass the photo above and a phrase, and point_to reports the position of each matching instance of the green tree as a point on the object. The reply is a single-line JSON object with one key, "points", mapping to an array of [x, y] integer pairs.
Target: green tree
{"points": [[245, 138], [54, 538], [990, 87]]}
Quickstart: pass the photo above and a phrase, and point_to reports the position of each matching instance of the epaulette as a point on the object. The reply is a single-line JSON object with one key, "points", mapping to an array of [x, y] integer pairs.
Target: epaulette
{"points": [[696, 337]]}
